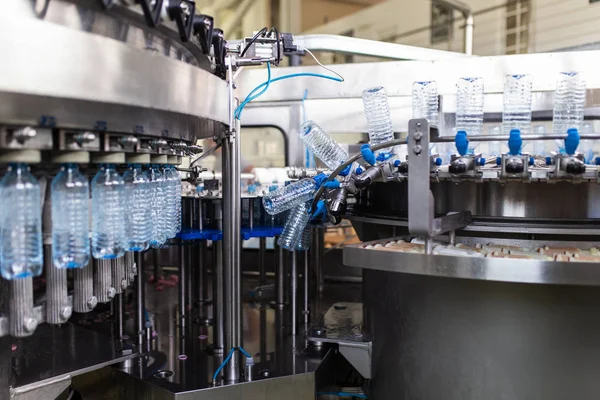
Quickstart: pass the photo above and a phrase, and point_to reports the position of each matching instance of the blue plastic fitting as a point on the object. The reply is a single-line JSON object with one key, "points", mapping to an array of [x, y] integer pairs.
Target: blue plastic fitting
{"points": [[334, 184], [572, 141], [438, 161], [531, 160], [498, 160], [481, 161], [383, 156], [597, 161], [397, 163], [359, 170], [345, 171], [548, 160], [321, 210], [461, 142], [319, 179], [515, 142], [367, 154], [272, 188]]}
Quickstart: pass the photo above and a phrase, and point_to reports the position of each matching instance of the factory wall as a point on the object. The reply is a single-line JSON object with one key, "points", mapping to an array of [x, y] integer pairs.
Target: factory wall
{"points": [[553, 25]]}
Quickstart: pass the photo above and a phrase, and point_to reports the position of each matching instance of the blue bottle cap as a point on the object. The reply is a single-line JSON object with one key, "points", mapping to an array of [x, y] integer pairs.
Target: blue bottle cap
{"points": [[481, 161], [498, 160], [396, 163], [531, 160], [548, 160], [438, 161]]}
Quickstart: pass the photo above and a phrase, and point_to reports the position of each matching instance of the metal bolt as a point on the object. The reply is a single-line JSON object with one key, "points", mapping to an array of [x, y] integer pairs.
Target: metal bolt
{"points": [[24, 134], [65, 313], [123, 283], [92, 302], [128, 140], [418, 135], [158, 143], [417, 149], [111, 292], [84, 138], [132, 276], [29, 324], [134, 269]]}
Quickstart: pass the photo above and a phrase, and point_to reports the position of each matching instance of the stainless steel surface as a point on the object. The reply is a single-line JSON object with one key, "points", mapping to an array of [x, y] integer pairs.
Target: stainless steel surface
{"points": [[22, 321], [183, 285], [343, 325], [420, 198], [66, 351], [218, 298], [524, 203], [83, 289], [487, 269], [306, 292], [58, 307], [103, 285], [262, 267], [279, 275], [122, 99], [480, 339], [294, 293], [234, 364], [48, 389], [129, 267], [119, 281], [119, 315], [140, 318], [365, 47]]}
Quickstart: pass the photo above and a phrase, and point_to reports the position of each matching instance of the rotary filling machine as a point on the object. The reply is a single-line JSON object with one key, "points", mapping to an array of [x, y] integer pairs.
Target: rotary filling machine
{"points": [[148, 82]]}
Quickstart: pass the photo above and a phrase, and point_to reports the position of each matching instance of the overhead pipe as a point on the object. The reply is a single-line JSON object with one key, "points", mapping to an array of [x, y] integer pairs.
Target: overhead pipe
{"points": [[467, 13]]}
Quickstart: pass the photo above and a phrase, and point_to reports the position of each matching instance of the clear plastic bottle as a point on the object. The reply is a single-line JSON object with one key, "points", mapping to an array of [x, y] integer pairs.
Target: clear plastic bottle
{"points": [[569, 102], [170, 201], [586, 147], [379, 118], [70, 194], [289, 196], [517, 104], [138, 195], [294, 226], [469, 105], [425, 101], [494, 147], [303, 242], [158, 206], [177, 178], [539, 146], [322, 145], [21, 224], [108, 214]]}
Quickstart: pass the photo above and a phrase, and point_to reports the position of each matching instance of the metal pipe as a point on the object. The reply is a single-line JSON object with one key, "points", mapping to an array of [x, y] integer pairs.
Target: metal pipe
{"points": [[182, 288], [320, 251], [469, 33], [140, 301], [218, 300], [279, 275], [228, 254], [306, 277], [262, 267], [58, 309], [294, 293], [428, 245], [502, 138], [119, 315]]}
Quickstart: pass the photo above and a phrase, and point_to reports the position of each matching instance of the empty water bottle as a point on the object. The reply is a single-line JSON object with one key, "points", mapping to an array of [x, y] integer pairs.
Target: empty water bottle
{"points": [[177, 179], [539, 146], [586, 147], [322, 145], [517, 104], [379, 118], [569, 102], [469, 105], [289, 196], [138, 194], [294, 227], [70, 218], [108, 214], [157, 205], [303, 242], [21, 224], [425, 101], [171, 183]]}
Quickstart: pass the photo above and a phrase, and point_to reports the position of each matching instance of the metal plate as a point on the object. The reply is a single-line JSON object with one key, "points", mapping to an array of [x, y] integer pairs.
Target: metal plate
{"points": [[56, 351], [117, 85], [488, 269]]}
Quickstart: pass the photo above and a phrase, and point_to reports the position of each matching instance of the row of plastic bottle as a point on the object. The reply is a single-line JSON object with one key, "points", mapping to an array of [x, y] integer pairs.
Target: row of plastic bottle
{"points": [[129, 213]]}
